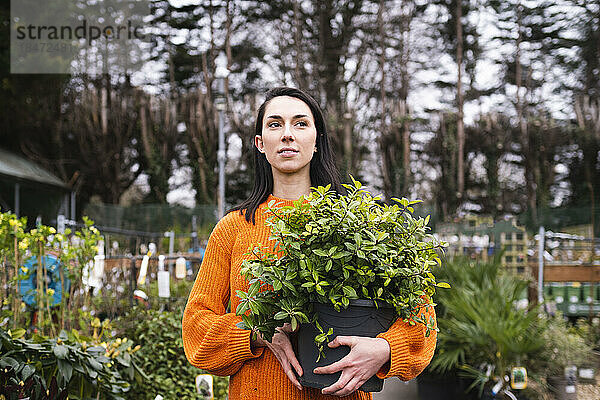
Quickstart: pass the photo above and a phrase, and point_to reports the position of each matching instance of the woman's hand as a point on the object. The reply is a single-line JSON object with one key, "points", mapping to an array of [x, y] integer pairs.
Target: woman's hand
{"points": [[366, 357], [281, 347]]}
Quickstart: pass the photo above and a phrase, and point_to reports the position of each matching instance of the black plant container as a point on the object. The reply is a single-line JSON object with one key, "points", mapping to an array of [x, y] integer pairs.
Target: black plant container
{"points": [[361, 318], [558, 385], [431, 386]]}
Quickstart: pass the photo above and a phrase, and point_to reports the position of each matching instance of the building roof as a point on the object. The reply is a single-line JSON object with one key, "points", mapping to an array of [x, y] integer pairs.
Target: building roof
{"points": [[21, 169]]}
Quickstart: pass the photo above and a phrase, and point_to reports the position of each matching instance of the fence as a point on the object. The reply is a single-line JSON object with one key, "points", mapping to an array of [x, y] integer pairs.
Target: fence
{"points": [[152, 217]]}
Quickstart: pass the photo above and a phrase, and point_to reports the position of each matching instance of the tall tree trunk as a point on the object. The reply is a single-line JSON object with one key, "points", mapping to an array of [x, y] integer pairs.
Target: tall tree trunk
{"points": [[405, 112], [394, 140], [528, 159], [460, 129], [386, 170], [299, 61]]}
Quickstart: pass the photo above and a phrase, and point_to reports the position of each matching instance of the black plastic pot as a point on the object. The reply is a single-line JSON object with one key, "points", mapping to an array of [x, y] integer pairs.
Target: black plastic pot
{"points": [[435, 387], [487, 395], [361, 318], [560, 387], [447, 386]]}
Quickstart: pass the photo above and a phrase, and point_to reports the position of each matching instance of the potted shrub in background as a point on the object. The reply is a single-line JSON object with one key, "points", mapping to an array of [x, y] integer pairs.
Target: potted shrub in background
{"points": [[483, 334], [564, 352], [335, 253], [590, 332]]}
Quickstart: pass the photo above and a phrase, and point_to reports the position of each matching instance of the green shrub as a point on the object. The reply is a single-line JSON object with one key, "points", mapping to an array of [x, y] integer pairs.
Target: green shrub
{"points": [[481, 329], [564, 346], [162, 356], [67, 364]]}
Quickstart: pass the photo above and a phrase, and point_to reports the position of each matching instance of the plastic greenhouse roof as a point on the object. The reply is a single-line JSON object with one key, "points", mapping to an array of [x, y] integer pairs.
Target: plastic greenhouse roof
{"points": [[17, 167]]}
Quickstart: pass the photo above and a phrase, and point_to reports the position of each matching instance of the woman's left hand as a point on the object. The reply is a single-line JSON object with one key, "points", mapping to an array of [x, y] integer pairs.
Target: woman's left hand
{"points": [[367, 356]]}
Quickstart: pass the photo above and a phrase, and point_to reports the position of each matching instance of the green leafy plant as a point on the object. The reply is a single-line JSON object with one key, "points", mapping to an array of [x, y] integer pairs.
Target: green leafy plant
{"points": [[483, 334], [75, 250], [12, 388], [162, 355], [13, 242], [331, 248], [564, 346], [83, 367], [590, 331]]}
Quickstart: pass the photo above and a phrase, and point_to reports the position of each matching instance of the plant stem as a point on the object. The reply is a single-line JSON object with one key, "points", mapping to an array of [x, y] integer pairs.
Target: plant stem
{"points": [[16, 300], [4, 281], [63, 296], [40, 290]]}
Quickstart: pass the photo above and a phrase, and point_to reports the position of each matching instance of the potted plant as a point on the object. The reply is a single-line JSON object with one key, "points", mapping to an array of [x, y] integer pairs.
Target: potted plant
{"points": [[590, 332], [483, 334], [564, 352], [335, 253]]}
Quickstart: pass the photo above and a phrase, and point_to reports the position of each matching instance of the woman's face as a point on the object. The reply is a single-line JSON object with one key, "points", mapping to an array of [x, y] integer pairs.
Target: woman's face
{"points": [[288, 135]]}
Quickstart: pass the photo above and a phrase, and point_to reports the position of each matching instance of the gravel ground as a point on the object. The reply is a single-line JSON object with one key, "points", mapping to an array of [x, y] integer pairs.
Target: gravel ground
{"points": [[588, 392]]}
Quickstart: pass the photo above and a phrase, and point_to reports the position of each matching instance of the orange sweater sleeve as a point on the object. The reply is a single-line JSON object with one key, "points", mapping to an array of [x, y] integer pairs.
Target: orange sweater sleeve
{"points": [[410, 350], [211, 340]]}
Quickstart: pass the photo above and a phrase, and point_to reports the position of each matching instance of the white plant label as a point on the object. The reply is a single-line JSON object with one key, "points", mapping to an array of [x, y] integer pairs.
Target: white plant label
{"points": [[163, 284]]}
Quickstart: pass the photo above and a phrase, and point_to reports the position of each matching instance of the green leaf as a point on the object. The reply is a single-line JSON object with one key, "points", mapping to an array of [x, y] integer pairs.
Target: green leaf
{"points": [[254, 288], [302, 316], [320, 252], [320, 290], [66, 369], [95, 364], [281, 315], [357, 239], [350, 292], [443, 285], [328, 265], [60, 351], [9, 362], [17, 333], [241, 308], [26, 372]]}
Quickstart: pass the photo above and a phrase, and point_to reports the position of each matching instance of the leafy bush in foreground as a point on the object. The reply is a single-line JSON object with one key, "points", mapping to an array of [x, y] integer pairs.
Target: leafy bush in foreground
{"points": [[66, 365]]}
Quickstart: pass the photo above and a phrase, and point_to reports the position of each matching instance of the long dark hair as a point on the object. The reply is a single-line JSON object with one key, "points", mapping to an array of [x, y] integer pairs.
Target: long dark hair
{"points": [[322, 165]]}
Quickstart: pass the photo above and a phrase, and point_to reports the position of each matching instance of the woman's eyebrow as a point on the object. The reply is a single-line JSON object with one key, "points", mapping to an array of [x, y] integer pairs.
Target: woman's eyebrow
{"points": [[297, 116]]}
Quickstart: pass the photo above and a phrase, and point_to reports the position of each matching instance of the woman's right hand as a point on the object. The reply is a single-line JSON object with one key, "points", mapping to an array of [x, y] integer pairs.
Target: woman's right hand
{"points": [[281, 347]]}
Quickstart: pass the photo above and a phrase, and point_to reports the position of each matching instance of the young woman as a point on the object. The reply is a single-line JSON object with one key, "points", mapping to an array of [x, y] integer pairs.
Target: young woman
{"points": [[292, 154]]}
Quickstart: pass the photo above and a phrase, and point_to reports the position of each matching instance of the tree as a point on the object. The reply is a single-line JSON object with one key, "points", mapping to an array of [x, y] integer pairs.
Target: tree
{"points": [[526, 75], [159, 140], [457, 35], [102, 131], [396, 48], [581, 35]]}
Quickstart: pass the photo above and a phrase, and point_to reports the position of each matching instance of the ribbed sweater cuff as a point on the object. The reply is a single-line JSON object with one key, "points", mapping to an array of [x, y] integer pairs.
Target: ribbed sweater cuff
{"points": [[239, 345], [399, 356]]}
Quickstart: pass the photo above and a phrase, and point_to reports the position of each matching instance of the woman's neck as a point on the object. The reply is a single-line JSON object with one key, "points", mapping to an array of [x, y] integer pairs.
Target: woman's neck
{"points": [[291, 186]]}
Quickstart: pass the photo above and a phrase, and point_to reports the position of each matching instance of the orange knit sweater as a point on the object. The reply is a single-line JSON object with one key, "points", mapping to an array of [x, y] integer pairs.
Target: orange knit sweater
{"points": [[212, 341]]}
